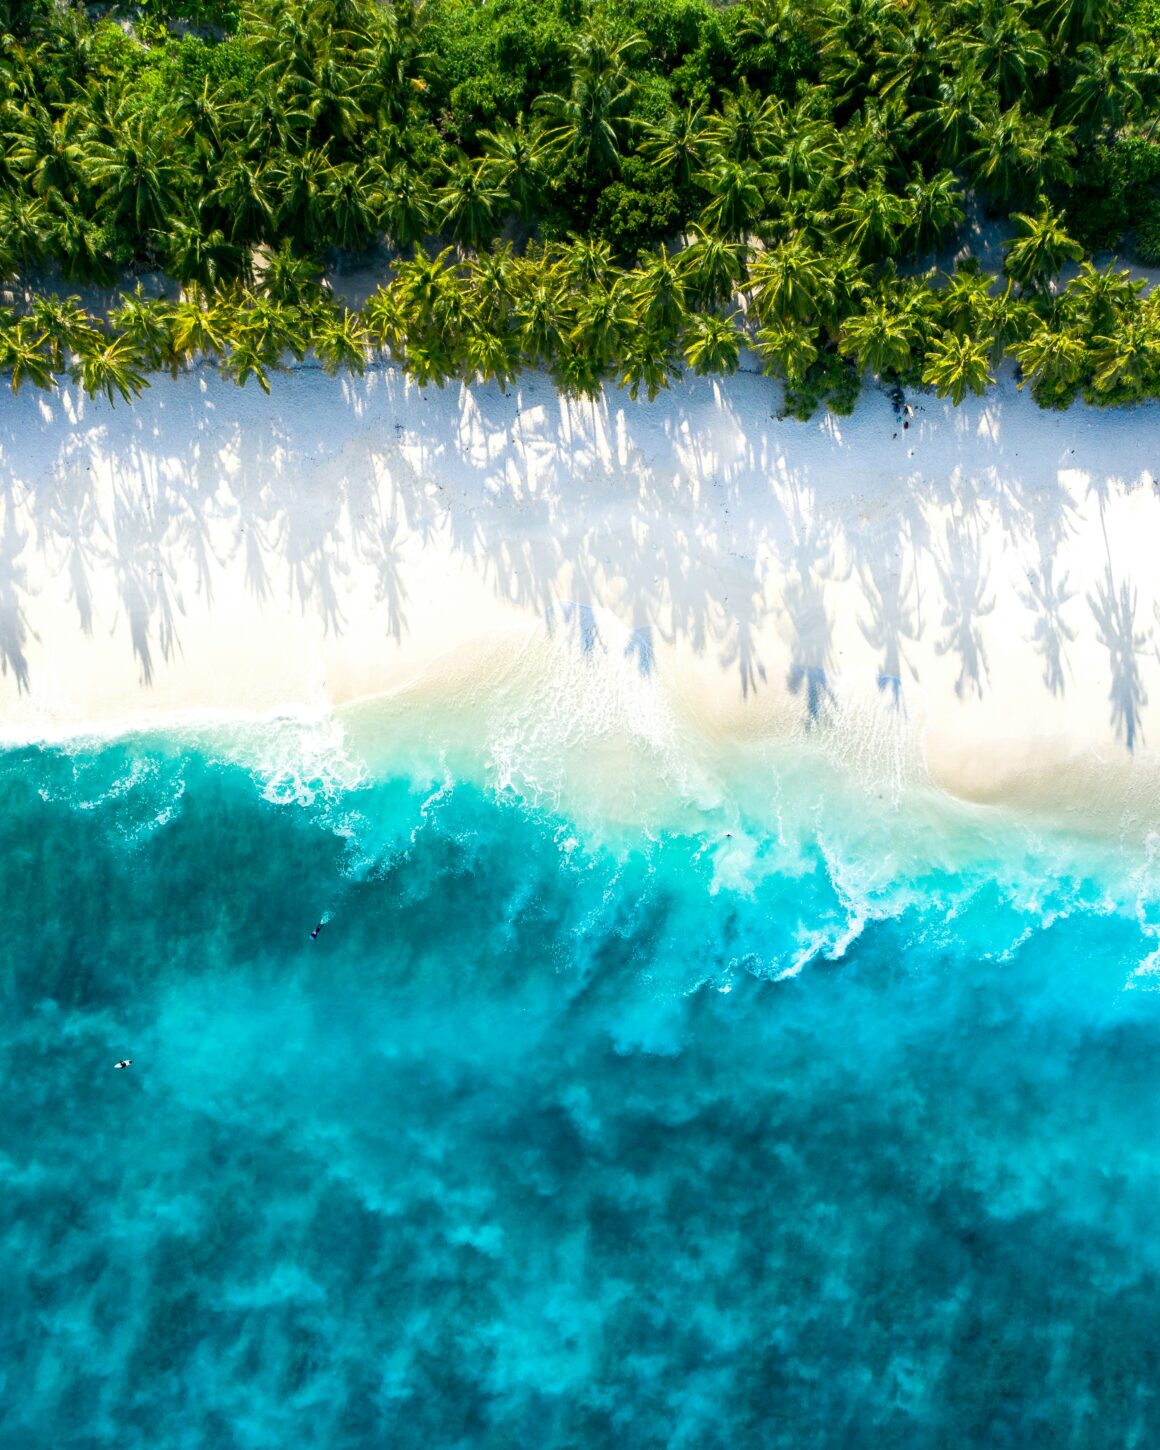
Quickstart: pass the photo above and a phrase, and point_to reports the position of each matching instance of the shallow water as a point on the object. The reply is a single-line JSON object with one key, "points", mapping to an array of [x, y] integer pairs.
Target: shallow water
{"points": [[794, 1123]]}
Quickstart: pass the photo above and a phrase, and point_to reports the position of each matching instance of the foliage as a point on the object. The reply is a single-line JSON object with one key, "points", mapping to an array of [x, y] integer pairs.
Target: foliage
{"points": [[673, 179], [1146, 243]]}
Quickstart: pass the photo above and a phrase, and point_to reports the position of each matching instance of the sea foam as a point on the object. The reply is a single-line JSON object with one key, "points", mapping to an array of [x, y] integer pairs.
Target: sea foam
{"points": [[770, 1102]]}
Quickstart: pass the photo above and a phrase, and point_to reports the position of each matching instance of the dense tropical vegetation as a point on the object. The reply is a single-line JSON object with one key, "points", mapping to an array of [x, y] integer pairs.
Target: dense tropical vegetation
{"points": [[605, 189]]}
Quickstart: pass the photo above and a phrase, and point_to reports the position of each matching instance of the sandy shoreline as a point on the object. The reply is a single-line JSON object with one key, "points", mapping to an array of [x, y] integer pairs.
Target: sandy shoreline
{"points": [[985, 579]]}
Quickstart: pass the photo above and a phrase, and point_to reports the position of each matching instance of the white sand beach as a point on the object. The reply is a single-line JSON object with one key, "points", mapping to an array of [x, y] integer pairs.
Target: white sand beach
{"points": [[987, 576]]}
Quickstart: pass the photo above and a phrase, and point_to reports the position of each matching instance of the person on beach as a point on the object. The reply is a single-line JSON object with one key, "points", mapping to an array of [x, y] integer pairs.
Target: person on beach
{"points": [[125, 1062], [317, 929]]}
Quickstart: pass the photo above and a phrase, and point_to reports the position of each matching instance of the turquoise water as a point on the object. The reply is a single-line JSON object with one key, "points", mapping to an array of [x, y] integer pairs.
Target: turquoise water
{"points": [[771, 1132]]}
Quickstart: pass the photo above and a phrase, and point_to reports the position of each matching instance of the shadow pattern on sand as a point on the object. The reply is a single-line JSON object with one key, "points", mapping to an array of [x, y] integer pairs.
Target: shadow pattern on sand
{"points": [[721, 535]]}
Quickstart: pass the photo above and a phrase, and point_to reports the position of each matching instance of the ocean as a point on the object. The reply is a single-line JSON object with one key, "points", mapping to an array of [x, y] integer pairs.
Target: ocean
{"points": [[775, 1109]]}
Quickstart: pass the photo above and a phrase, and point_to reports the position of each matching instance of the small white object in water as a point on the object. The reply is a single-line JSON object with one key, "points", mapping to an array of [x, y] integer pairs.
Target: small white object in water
{"points": [[125, 1062]]}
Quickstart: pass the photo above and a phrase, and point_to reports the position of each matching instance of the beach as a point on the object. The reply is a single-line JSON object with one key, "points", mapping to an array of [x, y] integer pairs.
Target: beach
{"points": [[627, 922], [981, 581]]}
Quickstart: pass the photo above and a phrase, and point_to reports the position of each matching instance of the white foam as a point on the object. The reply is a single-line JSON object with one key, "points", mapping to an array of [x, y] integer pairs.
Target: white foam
{"points": [[294, 760]]}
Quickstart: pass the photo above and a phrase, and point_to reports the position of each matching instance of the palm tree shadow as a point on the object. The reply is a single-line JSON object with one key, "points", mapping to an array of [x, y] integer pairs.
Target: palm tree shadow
{"points": [[1045, 516], [742, 651], [810, 567], [639, 649], [891, 592], [964, 578], [1113, 607], [144, 568], [577, 623], [14, 628], [1045, 598]]}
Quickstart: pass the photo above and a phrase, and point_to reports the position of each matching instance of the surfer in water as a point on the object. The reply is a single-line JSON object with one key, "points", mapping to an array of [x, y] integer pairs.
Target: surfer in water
{"points": [[317, 929], [125, 1062]]}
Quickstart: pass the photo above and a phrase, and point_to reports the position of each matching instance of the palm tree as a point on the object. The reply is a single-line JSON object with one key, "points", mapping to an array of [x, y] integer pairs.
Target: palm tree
{"points": [[957, 364], [909, 62], [679, 144], [275, 328], [290, 278], [575, 374], [192, 255], [770, 24], [787, 349], [748, 128], [137, 173], [24, 227], [242, 199], [1071, 21], [852, 34], [540, 323], [649, 361], [790, 282], [46, 150], [965, 302], [863, 154], [712, 344], [1098, 299], [245, 360], [393, 60], [65, 327], [23, 352], [1042, 248], [493, 278], [949, 120], [339, 338], [592, 120], [657, 291], [872, 220], [603, 325], [199, 327], [1017, 157], [880, 337], [84, 248], [735, 197], [428, 359], [1127, 360], [491, 351], [711, 267], [801, 157], [312, 66], [384, 317], [274, 124], [301, 182], [204, 114], [938, 207], [435, 304], [408, 207], [1053, 361], [468, 203], [586, 262], [349, 206], [1103, 93], [260, 332], [845, 283], [148, 326], [1008, 53], [110, 365], [330, 94], [1010, 316], [514, 162]]}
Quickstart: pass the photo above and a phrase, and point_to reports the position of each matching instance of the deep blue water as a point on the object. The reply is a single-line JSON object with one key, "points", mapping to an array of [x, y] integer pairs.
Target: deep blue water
{"points": [[533, 1148]]}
